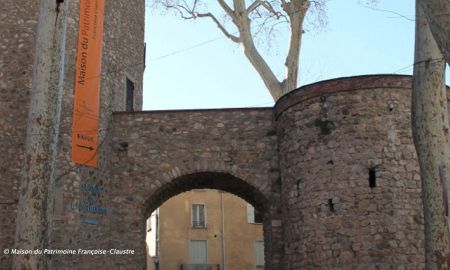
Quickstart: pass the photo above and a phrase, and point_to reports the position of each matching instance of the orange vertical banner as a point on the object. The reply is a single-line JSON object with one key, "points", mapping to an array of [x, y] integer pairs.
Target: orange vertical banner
{"points": [[87, 83]]}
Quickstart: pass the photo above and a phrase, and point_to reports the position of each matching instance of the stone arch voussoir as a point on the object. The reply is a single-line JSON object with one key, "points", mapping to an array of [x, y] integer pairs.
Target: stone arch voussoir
{"points": [[206, 174]]}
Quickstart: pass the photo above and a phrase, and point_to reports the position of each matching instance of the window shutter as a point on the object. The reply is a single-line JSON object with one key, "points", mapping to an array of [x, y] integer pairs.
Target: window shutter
{"points": [[250, 213], [201, 215], [258, 246], [194, 214], [198, 252]]}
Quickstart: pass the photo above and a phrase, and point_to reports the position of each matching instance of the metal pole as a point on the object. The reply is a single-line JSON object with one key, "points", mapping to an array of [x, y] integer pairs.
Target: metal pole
{"points": [[223, 230]]}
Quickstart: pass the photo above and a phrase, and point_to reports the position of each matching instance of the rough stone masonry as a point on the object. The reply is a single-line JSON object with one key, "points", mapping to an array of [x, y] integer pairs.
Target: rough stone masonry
{"points": [[332, 165]]}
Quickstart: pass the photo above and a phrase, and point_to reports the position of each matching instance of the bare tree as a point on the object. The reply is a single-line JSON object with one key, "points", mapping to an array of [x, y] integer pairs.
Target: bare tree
{"points": [[36, 189], [431, 138], [438, 15], [243, 16]]}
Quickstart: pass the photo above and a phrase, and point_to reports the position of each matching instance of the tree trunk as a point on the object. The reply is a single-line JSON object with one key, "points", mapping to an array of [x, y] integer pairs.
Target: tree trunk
{"points": [[431, 138], [242, 22], [35, 198], [438, 15], [296, 12]]}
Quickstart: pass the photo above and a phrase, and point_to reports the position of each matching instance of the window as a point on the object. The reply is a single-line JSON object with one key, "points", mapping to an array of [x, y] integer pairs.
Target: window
{"points": [[129, 101], [198, 216], [198, 253], [372, 178], [253, 215], [258, 248]]}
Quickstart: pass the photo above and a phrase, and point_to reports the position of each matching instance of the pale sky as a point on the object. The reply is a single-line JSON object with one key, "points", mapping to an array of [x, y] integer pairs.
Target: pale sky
{"points": [[191, 65]]}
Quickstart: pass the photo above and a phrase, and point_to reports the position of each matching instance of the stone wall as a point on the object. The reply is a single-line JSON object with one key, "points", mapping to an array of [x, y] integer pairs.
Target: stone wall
{"points": [[334, 136], [17, 35], [160, 154], [122, 55], [350, 186]]}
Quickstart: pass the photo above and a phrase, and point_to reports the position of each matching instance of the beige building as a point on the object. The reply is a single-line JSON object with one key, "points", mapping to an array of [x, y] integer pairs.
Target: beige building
{"points": [[205, 230]]}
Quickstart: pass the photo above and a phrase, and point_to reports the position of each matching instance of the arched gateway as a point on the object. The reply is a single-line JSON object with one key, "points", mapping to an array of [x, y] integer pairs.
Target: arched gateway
{"points": [[164, 153], [332, 166]]}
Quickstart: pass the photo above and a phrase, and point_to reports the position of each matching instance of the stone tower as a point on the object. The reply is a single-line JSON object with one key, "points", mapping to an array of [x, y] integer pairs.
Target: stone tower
{"points": [[350, 176], [122, 64]]}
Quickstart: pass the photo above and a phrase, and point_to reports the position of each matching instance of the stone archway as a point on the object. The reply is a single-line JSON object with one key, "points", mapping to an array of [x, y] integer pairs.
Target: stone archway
{"points": [[207, 180], [157, 155], [223, 181]]}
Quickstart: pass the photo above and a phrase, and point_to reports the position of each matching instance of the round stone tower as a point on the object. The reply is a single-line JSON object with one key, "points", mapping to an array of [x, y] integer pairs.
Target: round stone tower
{"points": [[350, 180]]}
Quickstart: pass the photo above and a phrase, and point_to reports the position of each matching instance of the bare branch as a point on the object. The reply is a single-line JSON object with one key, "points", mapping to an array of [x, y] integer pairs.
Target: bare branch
{"points": [[219, 25], [254, 5], [195, 5], [189, 13], [227, 9], [182, 14], [185, 13], [264, 4], [262, 26], [318, 9], [180, 8]]}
